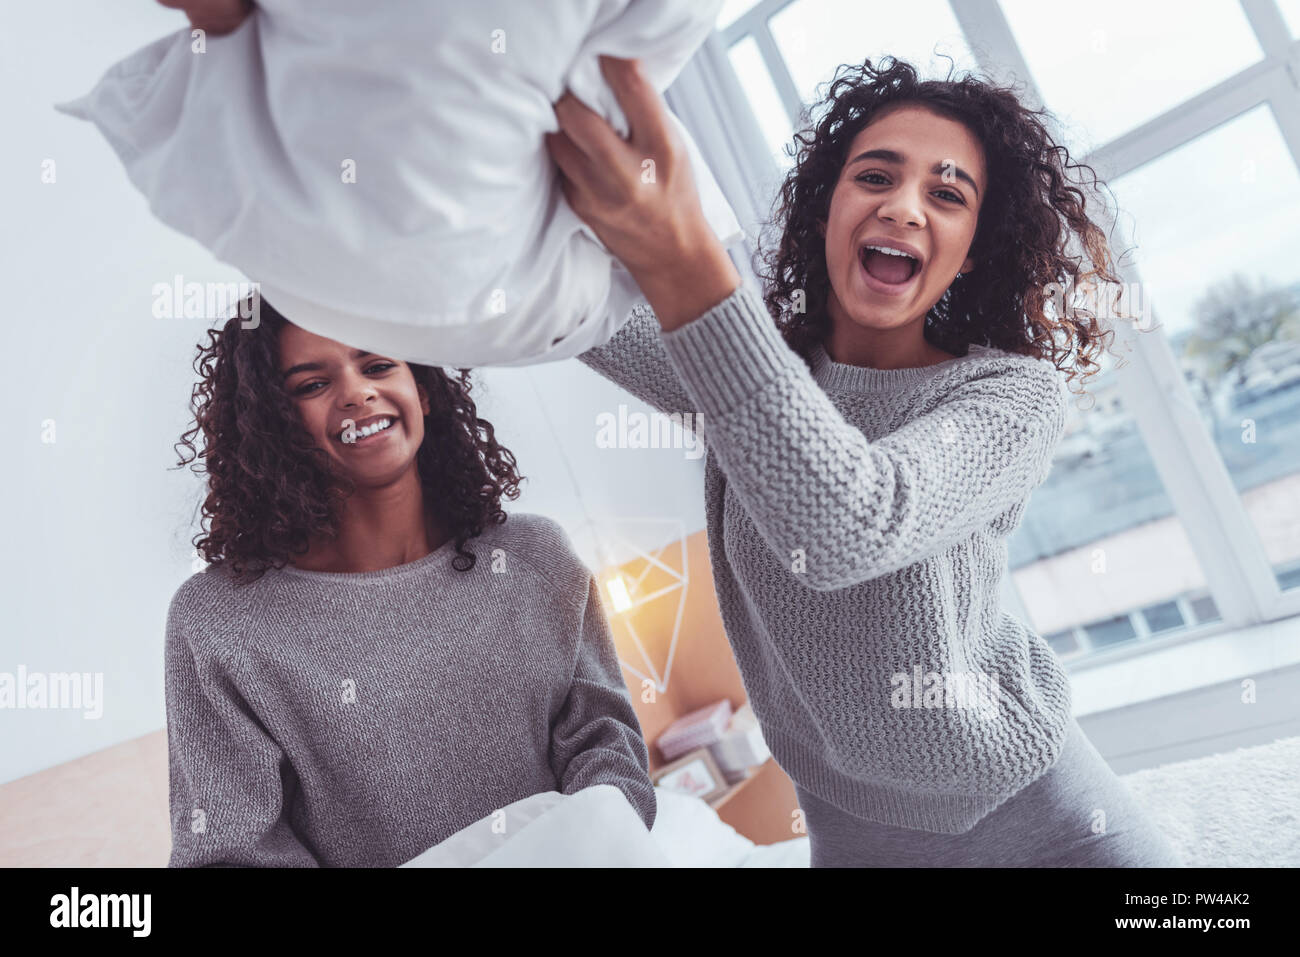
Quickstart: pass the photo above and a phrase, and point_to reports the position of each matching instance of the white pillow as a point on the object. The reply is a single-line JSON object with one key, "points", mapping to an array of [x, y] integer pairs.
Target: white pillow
{"points": [[690, 833], [476, 841], [596, 827], [454, 246]]}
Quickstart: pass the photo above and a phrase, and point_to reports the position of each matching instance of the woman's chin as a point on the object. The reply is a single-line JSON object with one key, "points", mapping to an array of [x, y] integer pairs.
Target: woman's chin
{"points": [[878, 314], [392, 457]]}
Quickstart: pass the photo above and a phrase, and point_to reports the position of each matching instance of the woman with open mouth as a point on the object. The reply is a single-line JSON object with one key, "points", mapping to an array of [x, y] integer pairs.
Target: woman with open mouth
{"points": [[873, 437], [347, 683]]}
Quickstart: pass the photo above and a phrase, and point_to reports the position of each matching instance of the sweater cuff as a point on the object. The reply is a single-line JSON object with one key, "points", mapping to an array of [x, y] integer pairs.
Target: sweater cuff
{"points": [[729, 353]]}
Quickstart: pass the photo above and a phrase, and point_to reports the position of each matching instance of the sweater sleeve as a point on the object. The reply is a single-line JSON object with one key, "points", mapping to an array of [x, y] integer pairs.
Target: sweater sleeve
{"points": [[635, 359], [813, 484], [228, 777], [596, 738]]}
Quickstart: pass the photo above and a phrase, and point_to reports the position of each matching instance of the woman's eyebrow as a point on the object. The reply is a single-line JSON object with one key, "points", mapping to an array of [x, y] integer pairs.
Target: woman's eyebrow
{"points": [[893, 156], [316, 366]]}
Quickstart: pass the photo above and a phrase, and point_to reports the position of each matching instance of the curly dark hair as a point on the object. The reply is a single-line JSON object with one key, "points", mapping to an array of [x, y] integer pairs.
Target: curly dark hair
{"points": [[1029, 217], [271, 489]]}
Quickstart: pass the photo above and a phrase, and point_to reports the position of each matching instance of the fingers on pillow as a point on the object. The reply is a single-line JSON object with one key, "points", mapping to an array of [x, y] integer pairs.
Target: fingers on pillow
{"points": [[572, 162], [620, 72], [588, 130], [639, 100]]}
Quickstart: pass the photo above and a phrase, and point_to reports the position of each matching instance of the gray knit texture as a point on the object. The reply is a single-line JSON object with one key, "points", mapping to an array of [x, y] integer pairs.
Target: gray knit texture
{"points": [[857, 522], [335, 719]]}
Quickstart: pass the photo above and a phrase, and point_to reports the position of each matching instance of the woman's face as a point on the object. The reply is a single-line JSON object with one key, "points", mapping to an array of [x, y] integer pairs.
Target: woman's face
{"points": [[339, 391], [914, 178]]}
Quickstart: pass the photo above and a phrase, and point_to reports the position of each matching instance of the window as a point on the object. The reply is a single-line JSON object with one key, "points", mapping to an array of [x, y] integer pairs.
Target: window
{"points": [[816, 36], [1163, 617], [1289, 577], [1064, 643], [1100, 539], [1218, 229], [1291, 14], [1126, 62], [1111, 631], [731, 10], [747, 61], [1205, 610]]}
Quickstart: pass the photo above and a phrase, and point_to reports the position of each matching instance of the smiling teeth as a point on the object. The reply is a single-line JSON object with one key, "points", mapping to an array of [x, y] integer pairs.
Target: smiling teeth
{"points": [[890, 251], [369, 429]]}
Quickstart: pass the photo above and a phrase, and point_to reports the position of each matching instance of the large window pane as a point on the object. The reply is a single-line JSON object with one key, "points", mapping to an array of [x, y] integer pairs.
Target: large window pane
{"points": [[1100, 558], [816, 36], [1291, 13], [1218, 229], [1112, 65], [731, 11], [756, 81]]}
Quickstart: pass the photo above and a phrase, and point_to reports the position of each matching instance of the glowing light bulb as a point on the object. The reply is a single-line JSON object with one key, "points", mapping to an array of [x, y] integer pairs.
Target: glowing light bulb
{"points": [[617, 589]]}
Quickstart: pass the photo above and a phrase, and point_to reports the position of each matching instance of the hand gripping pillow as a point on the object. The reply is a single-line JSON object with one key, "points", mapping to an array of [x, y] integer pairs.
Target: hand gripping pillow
{"points": [[378, 168]]}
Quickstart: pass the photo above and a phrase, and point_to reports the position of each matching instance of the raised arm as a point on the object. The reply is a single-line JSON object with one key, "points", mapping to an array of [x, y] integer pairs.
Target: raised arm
{"points": [[635, 359], [818, 490], [831, 505], [603, 181]]}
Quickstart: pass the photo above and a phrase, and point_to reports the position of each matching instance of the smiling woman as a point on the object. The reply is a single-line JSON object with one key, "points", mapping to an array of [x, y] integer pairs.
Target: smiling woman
{"points": [[345, 683], [874, 435], [368, 414], [881, 284], [288, 485], [959, 174]]}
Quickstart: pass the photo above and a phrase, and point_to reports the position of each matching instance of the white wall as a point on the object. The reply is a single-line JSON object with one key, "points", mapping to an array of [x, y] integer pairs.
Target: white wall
{"points": [[97, 529]]}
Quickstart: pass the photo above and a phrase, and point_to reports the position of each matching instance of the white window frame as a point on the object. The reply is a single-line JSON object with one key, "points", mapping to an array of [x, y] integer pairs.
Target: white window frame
{"points": [[1154, 390]]}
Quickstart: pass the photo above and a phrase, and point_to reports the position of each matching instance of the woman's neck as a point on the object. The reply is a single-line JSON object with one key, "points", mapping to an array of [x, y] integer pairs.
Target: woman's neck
{"points": [[903, 347], [379, 528]]}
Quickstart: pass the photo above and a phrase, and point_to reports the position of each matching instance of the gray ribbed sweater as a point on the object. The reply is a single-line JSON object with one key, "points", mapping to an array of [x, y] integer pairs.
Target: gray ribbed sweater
{"points": [[336, 719], [857, 520]]}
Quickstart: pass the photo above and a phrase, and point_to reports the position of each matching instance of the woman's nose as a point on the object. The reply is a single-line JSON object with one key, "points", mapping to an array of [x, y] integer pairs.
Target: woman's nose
{"points": [[355, 391], [902, 207]]}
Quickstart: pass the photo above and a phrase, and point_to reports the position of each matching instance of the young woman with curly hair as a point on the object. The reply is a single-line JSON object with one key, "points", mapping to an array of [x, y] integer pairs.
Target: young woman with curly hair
{"points": [[346, 683], [873, 436]]}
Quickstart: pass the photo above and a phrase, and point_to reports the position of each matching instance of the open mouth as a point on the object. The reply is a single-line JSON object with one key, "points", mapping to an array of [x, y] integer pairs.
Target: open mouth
{"points": [[887, 272]]}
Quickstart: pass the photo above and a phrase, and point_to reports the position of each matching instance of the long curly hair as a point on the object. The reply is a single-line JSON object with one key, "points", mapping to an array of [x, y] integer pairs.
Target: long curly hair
{"points": [[1030, 217], [272, 489]]}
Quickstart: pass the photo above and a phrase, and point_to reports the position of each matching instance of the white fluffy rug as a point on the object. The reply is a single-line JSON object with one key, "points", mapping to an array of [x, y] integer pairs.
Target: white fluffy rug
{"points": [[1236, 809]]}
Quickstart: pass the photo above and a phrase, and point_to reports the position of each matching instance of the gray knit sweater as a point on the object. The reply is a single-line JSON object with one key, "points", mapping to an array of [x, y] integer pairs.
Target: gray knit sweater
{"points": [[857, 521], [336, 719]]}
